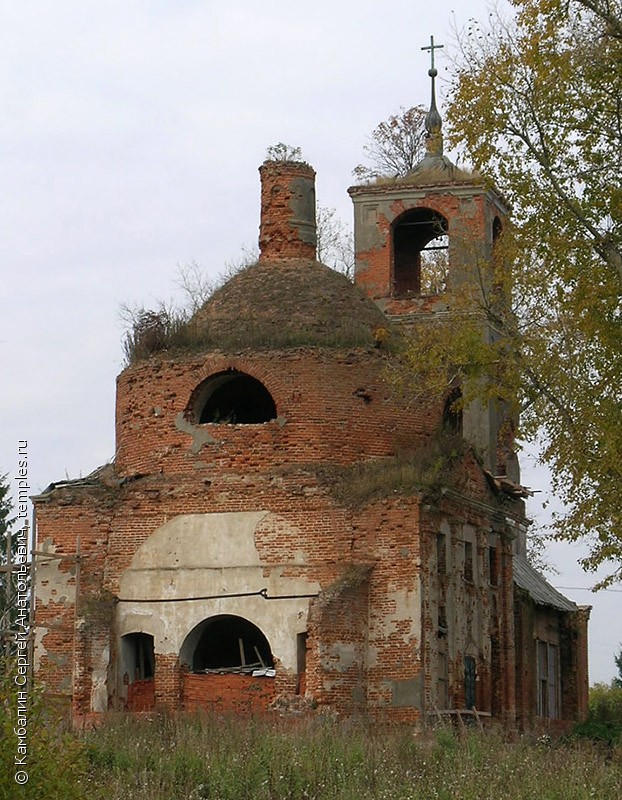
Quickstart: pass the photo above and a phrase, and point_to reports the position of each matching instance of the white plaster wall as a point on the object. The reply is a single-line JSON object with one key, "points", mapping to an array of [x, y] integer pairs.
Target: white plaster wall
{"points": [[194, 555], [53, 585], [99, 690], [399, 606]]}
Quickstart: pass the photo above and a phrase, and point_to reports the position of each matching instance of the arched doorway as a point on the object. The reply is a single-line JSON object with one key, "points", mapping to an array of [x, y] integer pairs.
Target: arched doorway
{"points": [[138, 670], [227, 665]]}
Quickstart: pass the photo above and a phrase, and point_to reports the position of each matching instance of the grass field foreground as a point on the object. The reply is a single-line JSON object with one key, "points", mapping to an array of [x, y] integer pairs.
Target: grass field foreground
{"points": [[208, 758]]}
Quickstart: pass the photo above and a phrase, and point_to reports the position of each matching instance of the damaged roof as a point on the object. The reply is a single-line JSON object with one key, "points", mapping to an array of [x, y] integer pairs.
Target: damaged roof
{"points": [[538, 588], [288, 302], [501, 484]]}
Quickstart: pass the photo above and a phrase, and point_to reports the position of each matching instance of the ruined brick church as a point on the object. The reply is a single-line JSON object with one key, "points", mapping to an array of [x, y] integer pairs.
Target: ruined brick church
{"points": [[275, 530]]}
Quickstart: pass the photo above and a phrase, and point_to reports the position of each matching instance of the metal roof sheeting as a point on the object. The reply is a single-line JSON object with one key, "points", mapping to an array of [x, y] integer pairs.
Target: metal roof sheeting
{"points": [[539, 589]]}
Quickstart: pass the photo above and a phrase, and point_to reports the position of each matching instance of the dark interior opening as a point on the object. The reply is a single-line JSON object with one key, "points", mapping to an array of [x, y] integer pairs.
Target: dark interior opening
{"points": [[420, 246], [497, 229], [235, 398], [234, 643], [452, 411], [470, 682], [138, 656]]}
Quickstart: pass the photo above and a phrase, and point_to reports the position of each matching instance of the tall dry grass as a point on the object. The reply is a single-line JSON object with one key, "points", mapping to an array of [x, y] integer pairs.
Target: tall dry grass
{"points": [[196, 758]]}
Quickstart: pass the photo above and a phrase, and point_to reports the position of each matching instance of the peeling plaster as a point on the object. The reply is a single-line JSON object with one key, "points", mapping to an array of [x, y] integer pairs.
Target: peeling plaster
{"points": [[99, 693], [407, 610], [199, 435], [54, 585], [194, 555], [340, 656], [302, 206], [406, 694], [369, 234], [39, 649]]}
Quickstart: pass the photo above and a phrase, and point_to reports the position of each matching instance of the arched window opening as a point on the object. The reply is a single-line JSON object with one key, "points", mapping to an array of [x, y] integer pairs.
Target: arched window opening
{"points": [[497, 230], [302, 644], [226, 644], [498, 288], [137, 657], [420, 253], [232, 397], [452, 411], [470, 682]]}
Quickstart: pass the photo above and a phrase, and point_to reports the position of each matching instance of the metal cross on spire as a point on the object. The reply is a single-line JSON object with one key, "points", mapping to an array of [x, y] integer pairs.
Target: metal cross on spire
{"points": [[432, 48], [433, 121]]}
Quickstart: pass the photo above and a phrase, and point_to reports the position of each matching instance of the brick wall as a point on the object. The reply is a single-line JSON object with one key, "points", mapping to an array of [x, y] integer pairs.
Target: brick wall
{"points": [[365, 642], [567, 631], [323, 415], [287, 228], [476, 611], [227, 693], [469, 213], [372, 629], [141, 695]]}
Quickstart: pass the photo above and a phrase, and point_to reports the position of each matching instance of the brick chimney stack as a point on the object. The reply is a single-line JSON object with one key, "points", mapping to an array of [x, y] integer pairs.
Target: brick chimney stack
{"points": [[287, 226]]}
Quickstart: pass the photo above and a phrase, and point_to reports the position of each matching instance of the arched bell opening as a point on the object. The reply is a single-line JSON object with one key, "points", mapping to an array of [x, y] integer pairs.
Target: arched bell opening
{"points": [[420, 253]]}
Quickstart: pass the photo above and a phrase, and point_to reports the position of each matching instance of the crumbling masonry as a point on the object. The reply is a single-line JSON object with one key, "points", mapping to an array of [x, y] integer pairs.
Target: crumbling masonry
{"points": [[275, 529]]}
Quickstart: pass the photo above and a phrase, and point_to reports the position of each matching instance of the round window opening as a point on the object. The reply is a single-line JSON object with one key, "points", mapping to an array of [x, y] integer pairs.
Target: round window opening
{"points": [[233, 398]]}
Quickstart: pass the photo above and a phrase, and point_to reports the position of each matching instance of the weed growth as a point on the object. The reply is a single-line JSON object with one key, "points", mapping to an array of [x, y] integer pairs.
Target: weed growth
{"points": [[424, 469], [217, 758], [53, 758], [604, 721]]}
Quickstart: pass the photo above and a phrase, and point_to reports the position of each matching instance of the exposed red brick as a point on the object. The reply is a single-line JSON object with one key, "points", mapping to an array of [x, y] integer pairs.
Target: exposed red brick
{"points": [[382, 621]]}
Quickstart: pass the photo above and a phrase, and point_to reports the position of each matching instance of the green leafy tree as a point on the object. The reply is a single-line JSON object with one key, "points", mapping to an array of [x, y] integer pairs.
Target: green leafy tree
{"points": [[617, 681], [536, 105]]}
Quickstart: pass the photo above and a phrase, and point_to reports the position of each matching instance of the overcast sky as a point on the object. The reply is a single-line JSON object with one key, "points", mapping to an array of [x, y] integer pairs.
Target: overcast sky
{"points": [[130, 136]]}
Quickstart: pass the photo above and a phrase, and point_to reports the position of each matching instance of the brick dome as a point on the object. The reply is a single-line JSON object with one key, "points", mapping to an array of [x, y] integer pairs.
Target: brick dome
{"points": [[287, 303]]}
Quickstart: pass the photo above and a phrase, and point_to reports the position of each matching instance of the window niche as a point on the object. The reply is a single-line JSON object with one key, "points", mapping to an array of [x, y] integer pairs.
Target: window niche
{"points": [[470, 682], [468, 571], [233, 398], [442, 681], [547, 700], [420, 253], [497, 230], [493, 566], [441, 554], [453, 417], [302, 644], [499, 286]]}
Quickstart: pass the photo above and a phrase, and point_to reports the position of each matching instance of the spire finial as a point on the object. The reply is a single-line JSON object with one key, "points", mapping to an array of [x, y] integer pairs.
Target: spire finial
{"points": [[433, 122]]}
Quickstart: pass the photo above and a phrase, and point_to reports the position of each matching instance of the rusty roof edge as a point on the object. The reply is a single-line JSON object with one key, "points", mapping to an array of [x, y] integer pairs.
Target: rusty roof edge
{"points": [[538, 588]]}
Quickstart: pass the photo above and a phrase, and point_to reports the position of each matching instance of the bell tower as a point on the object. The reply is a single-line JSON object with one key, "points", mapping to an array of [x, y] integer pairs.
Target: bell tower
{"points": [[427, 235]]}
